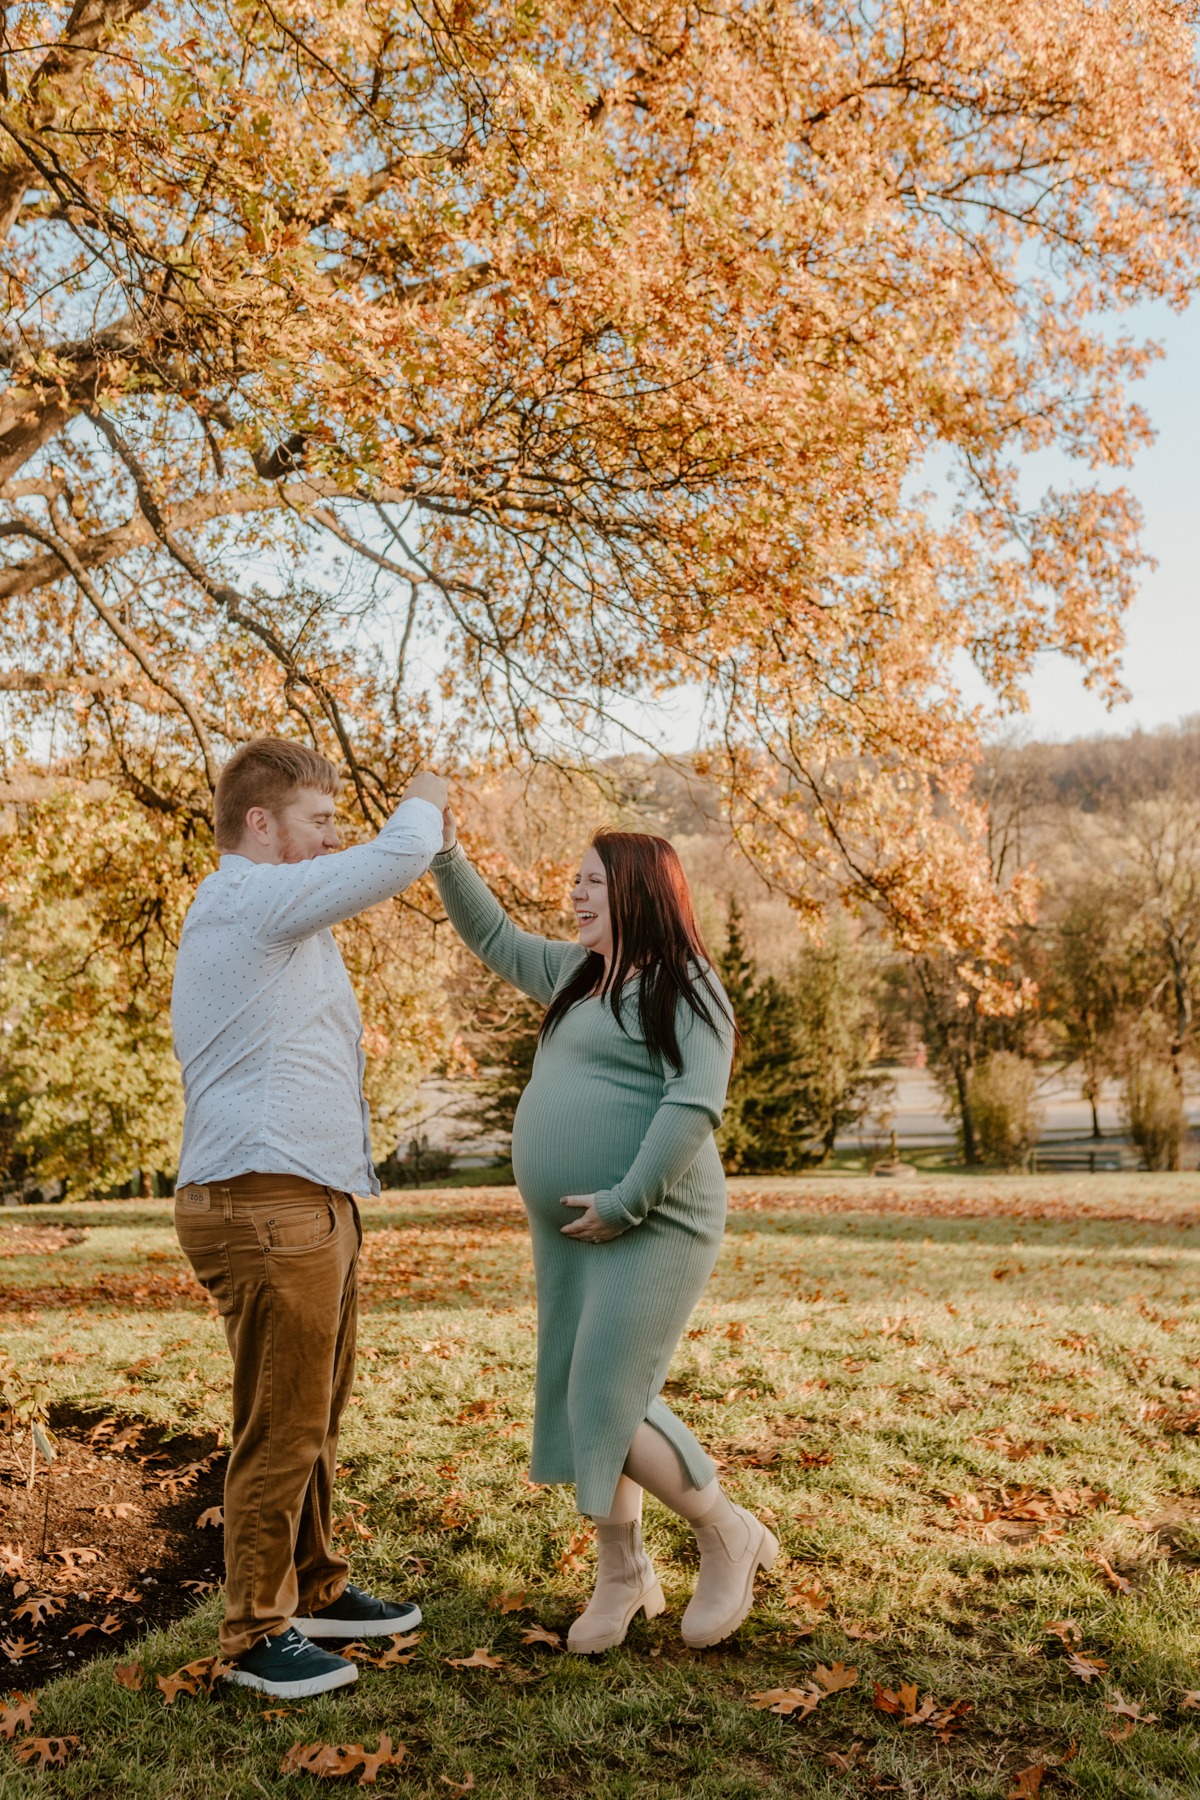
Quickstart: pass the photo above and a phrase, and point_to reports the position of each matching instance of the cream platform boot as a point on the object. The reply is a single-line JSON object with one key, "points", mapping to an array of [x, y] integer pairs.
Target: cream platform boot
{"points": [[734, 1546], [625, 1584]]}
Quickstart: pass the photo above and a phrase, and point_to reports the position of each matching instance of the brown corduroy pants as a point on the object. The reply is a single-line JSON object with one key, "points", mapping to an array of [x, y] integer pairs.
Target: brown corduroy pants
{"points": [[279, 1256]]}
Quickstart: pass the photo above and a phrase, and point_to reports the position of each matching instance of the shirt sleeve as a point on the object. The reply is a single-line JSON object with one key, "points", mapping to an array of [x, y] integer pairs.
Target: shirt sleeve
{"points": [[532, 963], [688, 1113], [283, 902]]}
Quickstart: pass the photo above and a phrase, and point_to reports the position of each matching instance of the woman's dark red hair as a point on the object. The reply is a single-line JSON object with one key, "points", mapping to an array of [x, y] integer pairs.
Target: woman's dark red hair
{"points": [[655, 936]]}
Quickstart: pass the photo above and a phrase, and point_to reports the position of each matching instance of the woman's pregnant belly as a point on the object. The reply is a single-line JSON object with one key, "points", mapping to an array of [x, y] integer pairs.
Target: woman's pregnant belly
{"points": [[573, 1136]]}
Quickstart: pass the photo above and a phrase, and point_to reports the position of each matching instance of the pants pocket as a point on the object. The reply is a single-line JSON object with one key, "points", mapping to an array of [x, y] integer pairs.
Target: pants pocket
{"points": [[299, 1225], [210, 1262]]}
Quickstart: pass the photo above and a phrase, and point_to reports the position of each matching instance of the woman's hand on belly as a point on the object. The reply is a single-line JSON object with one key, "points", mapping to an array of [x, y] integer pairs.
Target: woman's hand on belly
{"points": [[589, 1227]]}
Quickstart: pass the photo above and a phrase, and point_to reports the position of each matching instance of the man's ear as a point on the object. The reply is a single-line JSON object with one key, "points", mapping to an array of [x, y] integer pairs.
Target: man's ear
{"points": [[258, 823]]}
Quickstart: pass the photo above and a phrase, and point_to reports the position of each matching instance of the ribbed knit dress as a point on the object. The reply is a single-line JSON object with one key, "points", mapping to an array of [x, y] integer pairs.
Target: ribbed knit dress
{"points": [[602, 1116]]}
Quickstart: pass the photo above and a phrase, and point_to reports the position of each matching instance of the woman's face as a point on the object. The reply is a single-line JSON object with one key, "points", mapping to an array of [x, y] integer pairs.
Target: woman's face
{"points": [[589, 897]]}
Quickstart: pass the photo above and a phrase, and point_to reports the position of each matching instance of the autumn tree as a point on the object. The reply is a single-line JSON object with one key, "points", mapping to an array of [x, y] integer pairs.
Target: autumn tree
{"points": [[386, 373]]}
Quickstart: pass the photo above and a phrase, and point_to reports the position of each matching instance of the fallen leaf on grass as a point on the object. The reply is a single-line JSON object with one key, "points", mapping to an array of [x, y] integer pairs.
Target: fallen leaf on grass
{"points": [[906, 1705], [48, 1753], [1087, 1668], [330, 1762], [834, 1680], [788, 1700], [278, 1712], [16, 1649], [1117, 1582], [130, 1675], [536, 1635], [1131, 1712], [1190, 1700], [844, 1760], [459, 1788], [508, 1603], [17, 1714], [810, 1594], [382, 1659], [1066, 1631], [571, 1559], [40, 1607], [193, 1677], [212, 1515], [480, 1659], [1028, 1782]]}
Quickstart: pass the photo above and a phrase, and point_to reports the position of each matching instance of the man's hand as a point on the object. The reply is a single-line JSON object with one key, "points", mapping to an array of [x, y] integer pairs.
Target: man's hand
{"points": [[589, 1228], [449, 829], [427, 786]]}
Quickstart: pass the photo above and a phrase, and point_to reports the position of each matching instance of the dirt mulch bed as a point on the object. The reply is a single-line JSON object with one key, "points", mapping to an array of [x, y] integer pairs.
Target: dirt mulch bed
{"points": [[106, 1546]]}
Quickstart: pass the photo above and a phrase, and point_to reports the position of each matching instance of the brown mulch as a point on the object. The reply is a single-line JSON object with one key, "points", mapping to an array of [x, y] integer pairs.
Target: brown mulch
{"points": [[110, 1531]]}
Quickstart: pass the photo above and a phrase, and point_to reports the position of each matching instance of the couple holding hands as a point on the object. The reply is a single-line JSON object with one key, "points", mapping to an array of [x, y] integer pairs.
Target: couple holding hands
{"points": [[613, 1154]]}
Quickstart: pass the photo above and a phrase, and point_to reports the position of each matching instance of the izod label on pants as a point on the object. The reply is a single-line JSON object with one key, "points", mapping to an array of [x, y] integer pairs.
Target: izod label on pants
{"points": [[195, 1197]]}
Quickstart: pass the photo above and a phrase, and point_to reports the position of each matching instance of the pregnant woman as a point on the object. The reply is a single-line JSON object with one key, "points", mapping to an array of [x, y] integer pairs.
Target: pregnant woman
{"points": [[614, 1155]]}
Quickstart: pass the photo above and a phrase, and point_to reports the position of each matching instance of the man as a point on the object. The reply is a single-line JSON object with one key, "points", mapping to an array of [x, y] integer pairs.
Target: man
{"points": [[275, 1145]]}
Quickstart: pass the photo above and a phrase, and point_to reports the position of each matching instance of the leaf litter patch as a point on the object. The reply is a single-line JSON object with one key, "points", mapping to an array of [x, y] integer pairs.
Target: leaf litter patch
{"points": [[106, 1546]]}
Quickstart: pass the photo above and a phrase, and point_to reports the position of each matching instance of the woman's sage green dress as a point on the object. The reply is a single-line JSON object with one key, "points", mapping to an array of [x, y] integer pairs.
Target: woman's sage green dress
{"points": [[602, 1116]]}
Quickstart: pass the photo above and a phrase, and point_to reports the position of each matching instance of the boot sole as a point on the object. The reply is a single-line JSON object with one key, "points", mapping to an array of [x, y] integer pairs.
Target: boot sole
{"points": [[358, 1628], [294, 1690], [764, 1558], [652, 1602]]}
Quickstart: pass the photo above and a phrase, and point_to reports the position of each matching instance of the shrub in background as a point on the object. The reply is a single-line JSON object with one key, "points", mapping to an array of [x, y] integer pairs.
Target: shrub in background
{"points": [[1153, 1107], [1008, 1120]]}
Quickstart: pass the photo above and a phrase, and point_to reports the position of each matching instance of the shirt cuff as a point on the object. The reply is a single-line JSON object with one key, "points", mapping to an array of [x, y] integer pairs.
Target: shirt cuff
{"points": [[425, 815], [446, 856], [608, 1205]]}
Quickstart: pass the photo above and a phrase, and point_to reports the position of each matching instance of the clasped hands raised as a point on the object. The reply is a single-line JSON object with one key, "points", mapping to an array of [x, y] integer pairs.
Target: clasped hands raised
{"points": [[431, 787]]}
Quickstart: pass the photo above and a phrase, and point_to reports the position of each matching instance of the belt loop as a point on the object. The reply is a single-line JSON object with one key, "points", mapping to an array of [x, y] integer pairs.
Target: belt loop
{"points": [[227, 1204]]}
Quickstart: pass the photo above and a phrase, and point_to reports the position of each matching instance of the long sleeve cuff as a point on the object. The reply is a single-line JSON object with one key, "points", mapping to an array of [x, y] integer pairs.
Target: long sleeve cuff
{"points": [[675, 1138]]}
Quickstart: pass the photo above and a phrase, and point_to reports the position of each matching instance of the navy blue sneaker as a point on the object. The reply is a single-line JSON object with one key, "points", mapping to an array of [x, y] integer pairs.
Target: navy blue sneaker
{"points": [[291, 1668], [357, 1615]]}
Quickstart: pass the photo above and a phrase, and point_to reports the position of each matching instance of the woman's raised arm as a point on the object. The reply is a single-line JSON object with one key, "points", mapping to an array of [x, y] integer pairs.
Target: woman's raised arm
{"points": [[532, 963]]}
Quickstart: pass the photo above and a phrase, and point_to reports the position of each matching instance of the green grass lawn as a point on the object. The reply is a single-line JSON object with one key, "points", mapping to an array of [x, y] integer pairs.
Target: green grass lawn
{"points": [[969, 1406]]}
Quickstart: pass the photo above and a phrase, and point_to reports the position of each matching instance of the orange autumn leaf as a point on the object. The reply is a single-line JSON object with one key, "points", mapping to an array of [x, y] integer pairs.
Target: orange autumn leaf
{"points": [[211, 1516], [788, 1700], [17, 1649], [47, 1752], [479, 1659], [130, 1675], [1027, 1783], [383, 1659], [12, 1559], [1086, 1668], [331, 1762], [1117, 1582], [508, 1603], [834, 1680], [536, 1634], [192, 1678], [458, 1788], [1129, 1709], [16, 1714], [39, 1608]]}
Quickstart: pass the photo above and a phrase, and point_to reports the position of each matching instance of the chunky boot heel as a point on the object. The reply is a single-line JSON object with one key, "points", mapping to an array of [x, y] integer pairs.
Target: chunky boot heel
{"points": [[625, 1585], [734, 1546], [654, 1602]]}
